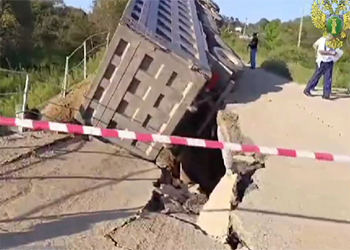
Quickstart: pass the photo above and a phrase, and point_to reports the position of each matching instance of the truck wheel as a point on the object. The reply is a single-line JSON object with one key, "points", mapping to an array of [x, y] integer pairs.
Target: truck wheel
{"points": [[227, 58]]}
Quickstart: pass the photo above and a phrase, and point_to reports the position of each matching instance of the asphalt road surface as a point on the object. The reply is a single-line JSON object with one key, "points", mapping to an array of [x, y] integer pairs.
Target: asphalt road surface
{"points": [[300, 204], [71, 195]]}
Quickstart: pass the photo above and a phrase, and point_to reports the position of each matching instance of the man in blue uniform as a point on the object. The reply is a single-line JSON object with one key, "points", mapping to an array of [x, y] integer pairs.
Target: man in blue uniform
{"points": [[253, 45], [325, 61]]}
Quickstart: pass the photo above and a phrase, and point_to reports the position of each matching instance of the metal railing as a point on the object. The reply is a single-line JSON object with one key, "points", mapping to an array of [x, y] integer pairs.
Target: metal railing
{"points": [[84, 60], [19, 114]]}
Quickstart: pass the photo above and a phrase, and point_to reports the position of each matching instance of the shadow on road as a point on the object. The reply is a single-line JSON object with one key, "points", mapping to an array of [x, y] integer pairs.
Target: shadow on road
{"points": [[336, 94], [40, 159], [277, 67], [74, 194], [68, 225], [255, 83], [97, 178]]}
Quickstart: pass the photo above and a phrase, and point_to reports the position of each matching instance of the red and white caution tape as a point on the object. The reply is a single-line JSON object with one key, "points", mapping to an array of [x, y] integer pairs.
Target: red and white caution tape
{"points": [[165, 139]]}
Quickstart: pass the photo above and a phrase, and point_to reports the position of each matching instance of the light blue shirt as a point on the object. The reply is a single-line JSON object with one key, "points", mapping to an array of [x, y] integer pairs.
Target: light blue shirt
{"points": [[321, 45]]}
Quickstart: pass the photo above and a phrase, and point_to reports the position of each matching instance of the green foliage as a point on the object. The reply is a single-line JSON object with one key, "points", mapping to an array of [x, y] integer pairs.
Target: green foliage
{"points": [[263, 23], [278, 51], [36, 36], [294, 55], [44, 84], [272, 32], [106, 14]]}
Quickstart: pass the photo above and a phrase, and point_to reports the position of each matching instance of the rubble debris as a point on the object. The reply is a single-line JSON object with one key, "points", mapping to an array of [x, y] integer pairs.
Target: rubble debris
{"points": [[195, 203], [178, 194]]}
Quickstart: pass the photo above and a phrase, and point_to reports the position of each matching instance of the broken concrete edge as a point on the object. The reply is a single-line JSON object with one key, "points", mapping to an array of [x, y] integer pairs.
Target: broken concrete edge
{"points": [[142, 215], [236, 229], [236, 235], [235, 224], [229, 130], [126, 222], [138, 215], [214, 217], [156, 204]]}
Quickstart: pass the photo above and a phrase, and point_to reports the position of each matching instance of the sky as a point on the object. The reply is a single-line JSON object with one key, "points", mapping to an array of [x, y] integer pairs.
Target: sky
{"points": [[253, 10], [84, 4]]}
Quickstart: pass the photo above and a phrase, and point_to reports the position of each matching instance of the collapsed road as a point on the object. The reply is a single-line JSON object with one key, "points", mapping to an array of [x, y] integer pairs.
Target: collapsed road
{"points": [[76, 193], [156, 73], [299, 203]]}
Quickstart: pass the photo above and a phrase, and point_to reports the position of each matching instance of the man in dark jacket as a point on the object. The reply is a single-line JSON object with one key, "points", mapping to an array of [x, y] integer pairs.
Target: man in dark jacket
{"points": [[253, 45]]}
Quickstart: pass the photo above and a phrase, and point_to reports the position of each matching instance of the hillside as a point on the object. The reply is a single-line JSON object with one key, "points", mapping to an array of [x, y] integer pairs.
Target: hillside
{"points": [[37, 36], [278, 51]]}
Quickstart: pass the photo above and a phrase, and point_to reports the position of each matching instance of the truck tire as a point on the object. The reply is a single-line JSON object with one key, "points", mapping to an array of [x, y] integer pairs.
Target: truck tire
{"points": [[227, 58]]}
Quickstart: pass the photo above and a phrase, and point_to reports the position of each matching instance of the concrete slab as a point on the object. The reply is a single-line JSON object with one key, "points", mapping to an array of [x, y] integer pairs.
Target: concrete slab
{"points": [[158, 232], [214, 217], [71, 196], [300, 204]]}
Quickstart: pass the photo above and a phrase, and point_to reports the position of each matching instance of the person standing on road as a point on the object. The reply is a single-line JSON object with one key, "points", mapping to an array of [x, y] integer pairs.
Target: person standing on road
{"points": [[325, 59], [315, 46], [253, 45]]}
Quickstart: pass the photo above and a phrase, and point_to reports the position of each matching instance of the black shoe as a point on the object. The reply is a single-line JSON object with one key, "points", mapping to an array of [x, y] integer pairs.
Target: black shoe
{"points": [[326, 97], [307, 93]]}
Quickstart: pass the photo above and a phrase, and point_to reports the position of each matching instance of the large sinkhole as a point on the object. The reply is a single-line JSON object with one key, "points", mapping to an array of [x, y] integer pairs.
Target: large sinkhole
{"points": [[199, 165], [206, 166]]}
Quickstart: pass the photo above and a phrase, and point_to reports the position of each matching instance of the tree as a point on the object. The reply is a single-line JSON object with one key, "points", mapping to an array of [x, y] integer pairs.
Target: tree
{"points": [[40, 33], [106, 14], [262, 23], [9, 35], [272, 32]]}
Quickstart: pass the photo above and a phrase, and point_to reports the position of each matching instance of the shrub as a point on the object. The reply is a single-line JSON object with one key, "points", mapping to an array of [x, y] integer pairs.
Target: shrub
{"points": [[278, 67], [294, 55]]}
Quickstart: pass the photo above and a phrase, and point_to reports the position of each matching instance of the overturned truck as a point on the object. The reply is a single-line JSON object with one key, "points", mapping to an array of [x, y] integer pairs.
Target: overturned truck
{"points": [[165, 60]]}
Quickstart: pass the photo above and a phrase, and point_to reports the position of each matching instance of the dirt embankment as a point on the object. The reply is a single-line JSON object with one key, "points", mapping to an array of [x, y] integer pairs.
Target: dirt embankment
{"points": [[63, 109]]}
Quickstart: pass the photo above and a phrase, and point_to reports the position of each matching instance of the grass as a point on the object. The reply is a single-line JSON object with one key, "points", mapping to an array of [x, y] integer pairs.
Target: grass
{"points": [[299, 62], [44, 84]]}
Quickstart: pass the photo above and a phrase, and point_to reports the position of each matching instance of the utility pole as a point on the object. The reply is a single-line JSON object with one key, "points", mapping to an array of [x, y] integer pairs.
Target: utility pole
{"points": [[245, 26], [301, 27]]}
